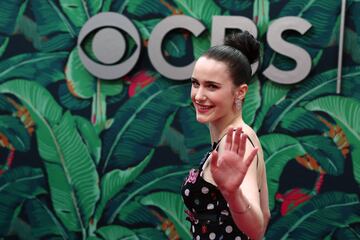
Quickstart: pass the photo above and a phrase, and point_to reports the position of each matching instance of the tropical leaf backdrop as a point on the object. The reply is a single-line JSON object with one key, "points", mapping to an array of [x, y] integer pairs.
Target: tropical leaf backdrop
{"points": [[86, 158]]}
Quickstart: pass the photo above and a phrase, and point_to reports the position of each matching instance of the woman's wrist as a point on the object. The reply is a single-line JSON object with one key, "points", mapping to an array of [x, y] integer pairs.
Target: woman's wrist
{"points": [[237, 201]]}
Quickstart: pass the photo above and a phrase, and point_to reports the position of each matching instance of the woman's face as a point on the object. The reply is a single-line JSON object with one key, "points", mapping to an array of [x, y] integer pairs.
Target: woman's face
{"points": [[212, 91]]}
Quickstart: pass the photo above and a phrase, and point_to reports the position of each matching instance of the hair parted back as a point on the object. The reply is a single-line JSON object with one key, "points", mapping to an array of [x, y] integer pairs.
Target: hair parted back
{"points": [[239, 51]]}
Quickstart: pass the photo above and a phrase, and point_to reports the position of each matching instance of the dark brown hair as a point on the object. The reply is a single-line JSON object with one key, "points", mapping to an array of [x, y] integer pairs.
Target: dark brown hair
{"points": [[239, 51]]}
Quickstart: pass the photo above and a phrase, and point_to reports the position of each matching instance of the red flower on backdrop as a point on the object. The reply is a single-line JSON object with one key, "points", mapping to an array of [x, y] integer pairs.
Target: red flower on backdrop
{"points": [[138, 82], [291, 199]]}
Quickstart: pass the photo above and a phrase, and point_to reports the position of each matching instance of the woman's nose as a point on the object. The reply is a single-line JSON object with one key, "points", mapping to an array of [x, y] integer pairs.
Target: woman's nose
{"points": [[200, 95]]}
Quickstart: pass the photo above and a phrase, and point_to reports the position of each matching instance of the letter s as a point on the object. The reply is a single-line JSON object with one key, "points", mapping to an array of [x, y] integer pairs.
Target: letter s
{"points": [[301, 57]]}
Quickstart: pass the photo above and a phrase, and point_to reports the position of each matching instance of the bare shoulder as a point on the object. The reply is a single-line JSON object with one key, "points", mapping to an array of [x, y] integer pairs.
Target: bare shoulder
{"points": [[254, 138]]}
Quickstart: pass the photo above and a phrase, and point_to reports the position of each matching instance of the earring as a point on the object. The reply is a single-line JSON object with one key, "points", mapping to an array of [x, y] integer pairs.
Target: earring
{"points": [[238, 103]]}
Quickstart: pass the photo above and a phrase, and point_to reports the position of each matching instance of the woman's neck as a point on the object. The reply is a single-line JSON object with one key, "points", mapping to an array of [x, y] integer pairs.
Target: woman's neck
{"points": [[219, 128]]}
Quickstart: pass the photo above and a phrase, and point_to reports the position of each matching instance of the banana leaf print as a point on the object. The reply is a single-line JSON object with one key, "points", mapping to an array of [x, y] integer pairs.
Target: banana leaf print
{"points": [[167, 178], [87, 158], [173, 206], [345, 112], [16, 187], [44, 223], [11, 12], [45, 68], [279, 149], [71, 171], [138, 121], [15, 132], [196, 136], [318, 217], [319, 85], [317, 37]]}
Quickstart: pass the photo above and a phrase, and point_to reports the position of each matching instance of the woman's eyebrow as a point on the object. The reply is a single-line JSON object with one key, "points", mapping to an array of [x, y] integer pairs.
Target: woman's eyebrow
{"points": [[206, 81]]}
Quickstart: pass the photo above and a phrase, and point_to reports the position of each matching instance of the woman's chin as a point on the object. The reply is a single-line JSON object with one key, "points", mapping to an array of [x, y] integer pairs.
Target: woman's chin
{"points": [[202, 119]]}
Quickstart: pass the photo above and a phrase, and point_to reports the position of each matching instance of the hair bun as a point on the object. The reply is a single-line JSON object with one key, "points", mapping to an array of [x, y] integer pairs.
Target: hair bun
{"points": [[245, 42]]}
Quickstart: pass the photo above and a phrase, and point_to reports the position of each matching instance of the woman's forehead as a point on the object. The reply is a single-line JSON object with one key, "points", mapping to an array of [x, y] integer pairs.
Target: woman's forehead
{"points": [[207, 69]]}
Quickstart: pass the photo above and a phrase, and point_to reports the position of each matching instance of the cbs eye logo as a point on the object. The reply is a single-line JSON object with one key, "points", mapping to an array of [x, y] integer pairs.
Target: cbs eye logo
{"points": [[108, 45]]}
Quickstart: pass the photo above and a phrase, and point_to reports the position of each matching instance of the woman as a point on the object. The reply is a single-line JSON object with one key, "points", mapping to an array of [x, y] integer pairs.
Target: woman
{"points": [[227, 197]]}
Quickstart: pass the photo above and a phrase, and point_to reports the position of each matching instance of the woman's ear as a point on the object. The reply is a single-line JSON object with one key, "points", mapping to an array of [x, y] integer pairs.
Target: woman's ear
{"points": [[241, 91]]}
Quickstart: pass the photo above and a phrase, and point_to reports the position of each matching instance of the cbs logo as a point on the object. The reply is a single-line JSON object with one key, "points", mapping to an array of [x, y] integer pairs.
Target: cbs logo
{"points": [[109, 46]]}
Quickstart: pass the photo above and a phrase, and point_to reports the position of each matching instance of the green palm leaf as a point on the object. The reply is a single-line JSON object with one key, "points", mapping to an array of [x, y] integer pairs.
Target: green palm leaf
{"points": [[113, 232], [322, 15], [174, 44], [299, 120], [161, 179], [173, 207], [43, 222], [146, 26], [144, 233], [348, 232], [138, 124], [196, 135], [28, 28], [352, 44], [143, 8], [43, 68], [176, 141], [319, 85], [90, 138], [201, 44], [317, 217], [69, 101], [53, 26], [279, 149], [345, 111], [84, 85], [16, 132], [11, 12], [136, 214], [261, 15], [113, 182], [201, 10], [326, 153], [79, 11], [71, 171], [252, 101], [271, 93], [16, 186], [235, 5]]}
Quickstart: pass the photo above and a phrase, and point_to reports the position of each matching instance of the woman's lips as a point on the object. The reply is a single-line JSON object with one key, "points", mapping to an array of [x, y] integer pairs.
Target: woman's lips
{"points": [[202, 108]]}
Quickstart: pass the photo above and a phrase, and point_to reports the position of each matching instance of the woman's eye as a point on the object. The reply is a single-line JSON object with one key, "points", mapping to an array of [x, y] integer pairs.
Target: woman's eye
{"points": [[194, 83], [212, 87]]}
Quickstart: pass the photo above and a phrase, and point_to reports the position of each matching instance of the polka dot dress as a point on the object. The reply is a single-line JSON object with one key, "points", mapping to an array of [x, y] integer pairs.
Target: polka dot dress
{"points": [[208, 212]]}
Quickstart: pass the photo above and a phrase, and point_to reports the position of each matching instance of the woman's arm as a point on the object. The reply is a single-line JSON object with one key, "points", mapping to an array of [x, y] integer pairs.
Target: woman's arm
{"points": [[235, 173]]}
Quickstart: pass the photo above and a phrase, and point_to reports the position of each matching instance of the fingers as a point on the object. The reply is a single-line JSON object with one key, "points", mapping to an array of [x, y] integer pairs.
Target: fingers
{"points": [[242, 145], [251, 157], [214, 160], [229, 139], [236, 140]]}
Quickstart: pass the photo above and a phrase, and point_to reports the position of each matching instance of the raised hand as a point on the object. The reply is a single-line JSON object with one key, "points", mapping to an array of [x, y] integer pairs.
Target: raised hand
{"points": [[229, 167]]}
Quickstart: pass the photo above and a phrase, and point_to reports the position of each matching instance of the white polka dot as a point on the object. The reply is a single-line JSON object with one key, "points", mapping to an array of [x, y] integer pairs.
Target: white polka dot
{"points": [[193, 228], [210, 206], [225, 212], [212, 236], [186, 192], [204, 190], [228, 229], [238, 238], [197, 237]]}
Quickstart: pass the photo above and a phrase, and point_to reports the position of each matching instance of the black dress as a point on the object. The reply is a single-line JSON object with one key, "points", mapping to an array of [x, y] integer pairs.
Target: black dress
{"points": [[208, 212]]}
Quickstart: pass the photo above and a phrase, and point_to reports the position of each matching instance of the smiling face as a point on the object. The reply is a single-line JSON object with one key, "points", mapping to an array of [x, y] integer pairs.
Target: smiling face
{"points": [[213, 92]]}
